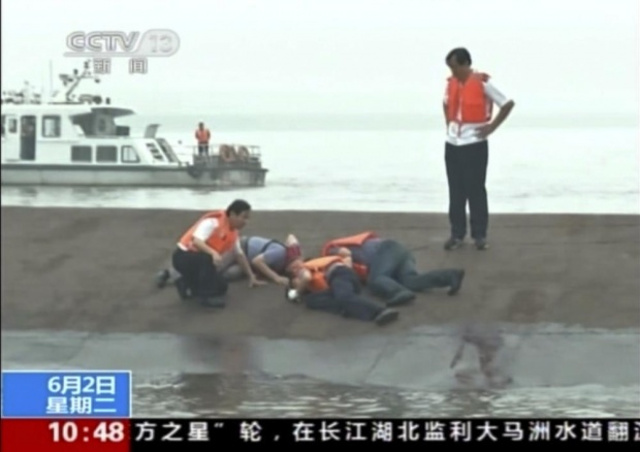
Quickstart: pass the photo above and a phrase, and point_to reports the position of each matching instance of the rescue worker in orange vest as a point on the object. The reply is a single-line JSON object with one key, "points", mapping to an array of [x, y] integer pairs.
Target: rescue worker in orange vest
{"points": [[389, 268], [203, 135], [468, 110], [201, 250], [330, 284]]}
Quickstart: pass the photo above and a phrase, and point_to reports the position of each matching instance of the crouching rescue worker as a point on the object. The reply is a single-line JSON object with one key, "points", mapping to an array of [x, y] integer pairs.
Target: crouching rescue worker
{"points": [[389, 268], [202, 249], [330, 284], [268, 257]]}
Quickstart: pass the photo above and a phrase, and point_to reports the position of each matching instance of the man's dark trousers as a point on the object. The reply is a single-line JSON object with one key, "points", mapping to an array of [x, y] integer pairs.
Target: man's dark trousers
{"points": [[199, 273], [393, 270], [466, 174], [344, 297]]}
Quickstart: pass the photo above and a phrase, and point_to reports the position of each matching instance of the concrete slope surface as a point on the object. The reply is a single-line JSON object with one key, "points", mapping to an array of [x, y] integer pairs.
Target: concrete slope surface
{"points": [[92, 271]]}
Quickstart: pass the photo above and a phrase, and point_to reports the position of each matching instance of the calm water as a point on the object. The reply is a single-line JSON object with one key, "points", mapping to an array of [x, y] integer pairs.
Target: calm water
{"points": [[574, 170], [261, 396]]}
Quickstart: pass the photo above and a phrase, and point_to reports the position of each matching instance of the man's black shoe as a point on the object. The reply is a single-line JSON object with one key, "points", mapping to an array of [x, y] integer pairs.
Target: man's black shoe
{"points": [[385, 317], [456, 282], [161, 278], [213, 302], [183, 290], [482, 244], [452, 244]]}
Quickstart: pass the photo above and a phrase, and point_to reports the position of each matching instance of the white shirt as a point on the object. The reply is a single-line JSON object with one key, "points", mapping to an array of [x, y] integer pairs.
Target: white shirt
{"points": [[204, 230], [462, 134]]}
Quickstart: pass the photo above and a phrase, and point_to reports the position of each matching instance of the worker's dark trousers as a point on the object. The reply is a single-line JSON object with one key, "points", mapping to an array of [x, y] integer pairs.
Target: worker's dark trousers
{"points": [[466, 173], [393, 270], [344, 297], [199, 273]]}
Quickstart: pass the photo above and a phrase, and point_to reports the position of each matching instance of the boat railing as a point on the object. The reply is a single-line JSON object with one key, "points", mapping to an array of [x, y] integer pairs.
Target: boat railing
{"points": [[223, 149], [223, 153]]}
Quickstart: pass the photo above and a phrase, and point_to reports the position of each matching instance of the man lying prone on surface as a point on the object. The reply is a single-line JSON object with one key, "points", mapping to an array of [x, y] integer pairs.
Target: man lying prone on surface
{"points": [[330, 284], [389, 268]]}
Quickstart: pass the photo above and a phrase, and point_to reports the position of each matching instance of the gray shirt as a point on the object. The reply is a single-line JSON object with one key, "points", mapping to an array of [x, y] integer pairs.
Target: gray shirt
{"points": [[275, 253], [362, 254]]}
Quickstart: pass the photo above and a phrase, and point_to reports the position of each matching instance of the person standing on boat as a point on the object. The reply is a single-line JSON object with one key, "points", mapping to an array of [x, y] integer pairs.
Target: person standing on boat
{"points": [[202, 249], [203, 135], [468, 107]]}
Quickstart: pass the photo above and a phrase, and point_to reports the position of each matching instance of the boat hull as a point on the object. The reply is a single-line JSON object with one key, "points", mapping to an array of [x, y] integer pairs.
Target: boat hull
{"points": [[123, 176]]}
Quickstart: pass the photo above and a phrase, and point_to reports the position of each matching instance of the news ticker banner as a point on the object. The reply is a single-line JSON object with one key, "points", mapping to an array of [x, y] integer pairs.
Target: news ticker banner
{"points": [[141, 435]]}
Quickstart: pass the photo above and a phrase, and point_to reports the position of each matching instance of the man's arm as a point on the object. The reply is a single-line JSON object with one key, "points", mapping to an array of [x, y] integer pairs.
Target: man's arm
{"points": [[243, 261], [260, 264], [347, 257], [503, 102], [202, 234]]}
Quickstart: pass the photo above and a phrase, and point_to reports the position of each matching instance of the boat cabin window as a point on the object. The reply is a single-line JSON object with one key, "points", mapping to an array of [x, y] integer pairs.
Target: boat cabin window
{"points": [[81, 154], [9, 124], [128, 154], [95, 124], [51, 125], [106, 154]]}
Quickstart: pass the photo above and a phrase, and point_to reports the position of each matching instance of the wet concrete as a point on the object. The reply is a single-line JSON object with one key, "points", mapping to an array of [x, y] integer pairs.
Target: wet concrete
{"points": [[546, 356]]}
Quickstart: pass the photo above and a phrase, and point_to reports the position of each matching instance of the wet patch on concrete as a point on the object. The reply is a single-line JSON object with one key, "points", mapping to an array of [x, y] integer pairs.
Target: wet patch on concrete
{"points": [[533, 356]]}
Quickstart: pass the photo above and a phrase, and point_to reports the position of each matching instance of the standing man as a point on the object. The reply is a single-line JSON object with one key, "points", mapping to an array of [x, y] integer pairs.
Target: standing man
{"points": [[468, 108], [203, 135], [201, 251]]}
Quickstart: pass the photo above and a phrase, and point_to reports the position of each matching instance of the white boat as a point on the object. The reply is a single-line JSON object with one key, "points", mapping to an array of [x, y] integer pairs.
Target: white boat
{"points": [[74, 140]]}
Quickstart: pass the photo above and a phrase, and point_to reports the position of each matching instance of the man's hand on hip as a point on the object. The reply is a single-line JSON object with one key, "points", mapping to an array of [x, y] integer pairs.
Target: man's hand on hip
{"points": [[485, 131]]}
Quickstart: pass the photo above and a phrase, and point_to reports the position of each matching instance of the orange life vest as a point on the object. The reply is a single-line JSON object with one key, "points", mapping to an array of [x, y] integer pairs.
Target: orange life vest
{"points": [[222, 239], [318, 268], [469, 98], [352, 240], [203, 135]]}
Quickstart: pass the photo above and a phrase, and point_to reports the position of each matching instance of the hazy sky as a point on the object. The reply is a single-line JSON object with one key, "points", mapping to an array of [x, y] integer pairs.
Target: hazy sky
{"points": [[551, 56]]}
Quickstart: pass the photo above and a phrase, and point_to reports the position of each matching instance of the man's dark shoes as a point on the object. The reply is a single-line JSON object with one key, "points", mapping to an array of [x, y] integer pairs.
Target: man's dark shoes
{"points": [[482, 244], [456, 281], [453, 243], [213, 302], [385, 317], [183, 290], [161, 278], [400, 298]]}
